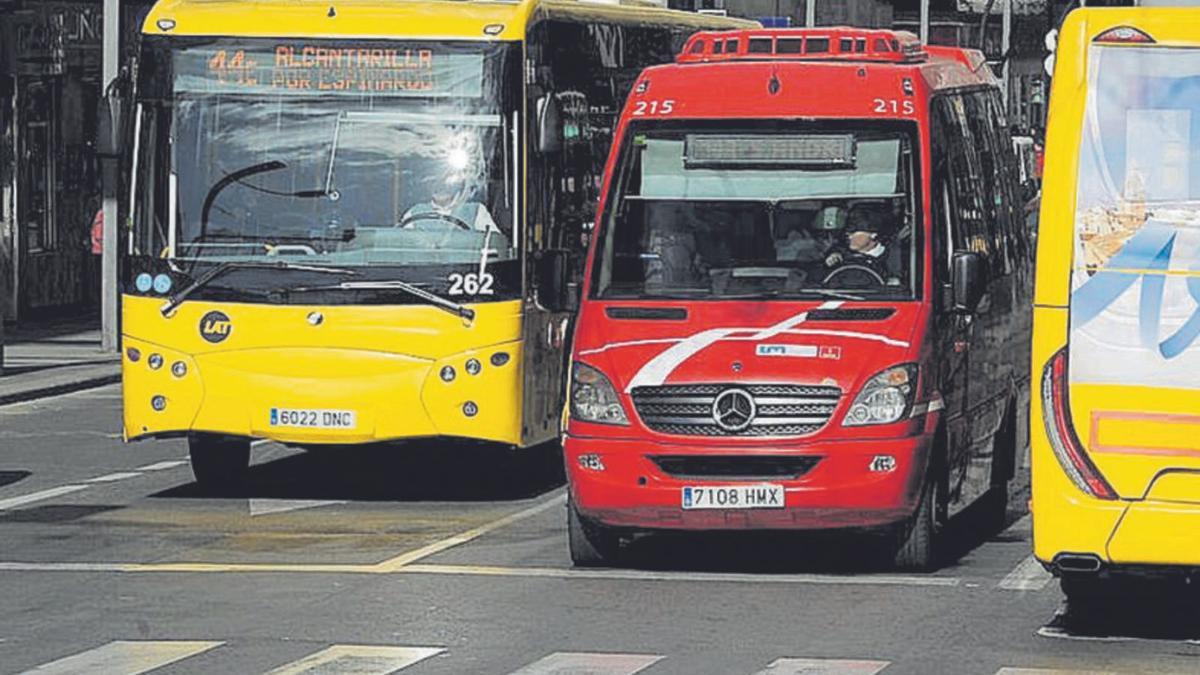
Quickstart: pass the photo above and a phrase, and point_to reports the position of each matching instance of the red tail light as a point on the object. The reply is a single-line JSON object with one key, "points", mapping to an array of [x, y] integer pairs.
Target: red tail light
{"points": [[1124, 35], [1056, 413]]}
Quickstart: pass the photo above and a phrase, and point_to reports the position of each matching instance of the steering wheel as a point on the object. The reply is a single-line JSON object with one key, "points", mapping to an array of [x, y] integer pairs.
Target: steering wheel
{"points": [[858, 271], [435, 215]]}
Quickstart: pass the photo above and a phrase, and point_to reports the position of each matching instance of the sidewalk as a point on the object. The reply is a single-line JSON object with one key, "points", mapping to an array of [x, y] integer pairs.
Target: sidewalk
{"points": [[46, 359]]}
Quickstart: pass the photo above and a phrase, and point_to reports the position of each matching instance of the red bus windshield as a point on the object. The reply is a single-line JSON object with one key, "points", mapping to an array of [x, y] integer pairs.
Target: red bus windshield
{"points": [[754, 210]]}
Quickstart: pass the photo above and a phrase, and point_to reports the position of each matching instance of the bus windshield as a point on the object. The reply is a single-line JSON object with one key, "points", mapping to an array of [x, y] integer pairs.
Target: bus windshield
{"points": [[733, 210], [358, 155], [1136, 278]]}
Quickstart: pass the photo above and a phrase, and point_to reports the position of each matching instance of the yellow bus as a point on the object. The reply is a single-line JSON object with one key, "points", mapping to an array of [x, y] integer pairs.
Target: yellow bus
{"points": [[357, 221], [1116, 455]]}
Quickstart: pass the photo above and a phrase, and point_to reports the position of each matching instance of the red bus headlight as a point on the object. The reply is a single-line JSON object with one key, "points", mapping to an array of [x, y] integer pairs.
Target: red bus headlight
{"points": [[885, 398], [593, 398]]}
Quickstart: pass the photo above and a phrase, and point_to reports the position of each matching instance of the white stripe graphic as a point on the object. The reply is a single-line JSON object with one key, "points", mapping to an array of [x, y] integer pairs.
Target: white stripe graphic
{"points": [[849, 334], [658, 369], [162, 466], [358, 660], [584, 663], [124, 658], [631, 343], [1027, 576], [14, 502], [823, 667]]}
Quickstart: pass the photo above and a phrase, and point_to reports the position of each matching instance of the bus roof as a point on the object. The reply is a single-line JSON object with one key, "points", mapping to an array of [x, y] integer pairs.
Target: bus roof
{"points": [[817, 72], [436, 19]]}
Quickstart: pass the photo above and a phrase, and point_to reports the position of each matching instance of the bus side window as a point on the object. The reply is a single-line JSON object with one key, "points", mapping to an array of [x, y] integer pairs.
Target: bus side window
{"points": [[969, 213], [939, 195]]}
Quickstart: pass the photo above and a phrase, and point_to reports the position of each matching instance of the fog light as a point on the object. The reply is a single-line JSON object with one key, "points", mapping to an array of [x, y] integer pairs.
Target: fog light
{"points": [[159, 403], [883, 464], [474, 367], [470, 409], [447, 374], [134, 354], [499, 359], [179, 369], [155, 361], [591, 462]]}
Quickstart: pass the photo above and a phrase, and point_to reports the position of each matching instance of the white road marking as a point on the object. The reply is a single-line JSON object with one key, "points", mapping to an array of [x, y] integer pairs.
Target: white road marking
{"points": [[14, 502], [711, 577], [163, 466], [823, 667], [470, 535], [114, 477], [125, 658], [266, 507], [1049, 671], [358, 660], [1029, 575], [589, 663], [1061, 634]]}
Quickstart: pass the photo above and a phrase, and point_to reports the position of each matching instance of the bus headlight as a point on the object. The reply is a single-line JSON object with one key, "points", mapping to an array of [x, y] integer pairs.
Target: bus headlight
{"points": [[885, 398], [593, 398]]}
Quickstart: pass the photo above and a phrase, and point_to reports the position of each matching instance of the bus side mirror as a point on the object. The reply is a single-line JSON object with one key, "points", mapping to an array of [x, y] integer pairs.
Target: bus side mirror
{"points": [[109, 139], [553, 289], [967, 282], [549, 125]]}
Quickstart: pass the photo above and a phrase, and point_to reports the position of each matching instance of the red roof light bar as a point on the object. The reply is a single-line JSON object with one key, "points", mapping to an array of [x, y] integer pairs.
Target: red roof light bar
{"points": [[804, 44]]}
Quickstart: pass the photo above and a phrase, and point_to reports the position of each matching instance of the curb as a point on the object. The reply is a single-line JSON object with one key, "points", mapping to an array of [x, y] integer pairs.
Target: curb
{"points": [[51, 388]]}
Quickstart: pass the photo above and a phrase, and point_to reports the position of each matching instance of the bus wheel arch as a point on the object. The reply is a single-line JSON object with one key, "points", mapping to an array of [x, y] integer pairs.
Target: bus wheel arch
{"points": [[219, 462]]}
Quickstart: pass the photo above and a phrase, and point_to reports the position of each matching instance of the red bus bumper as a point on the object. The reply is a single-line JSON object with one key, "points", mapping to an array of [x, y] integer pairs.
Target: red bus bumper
{"points": [[840, 491]]}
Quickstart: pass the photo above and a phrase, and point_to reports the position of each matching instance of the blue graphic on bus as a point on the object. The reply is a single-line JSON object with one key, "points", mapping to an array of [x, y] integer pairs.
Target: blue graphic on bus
{"points": [[1146, 256]]}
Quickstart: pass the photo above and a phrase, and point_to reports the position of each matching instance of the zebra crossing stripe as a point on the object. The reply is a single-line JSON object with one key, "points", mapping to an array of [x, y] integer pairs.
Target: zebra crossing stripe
{"points": [[591, 663], [823, 667], [1049, 671], [1029, 575], [125, 657], [358, 660]]}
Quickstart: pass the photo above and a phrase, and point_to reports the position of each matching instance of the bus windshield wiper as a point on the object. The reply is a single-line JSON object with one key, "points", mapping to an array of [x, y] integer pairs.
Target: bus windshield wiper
{"points": [[438, 301], [174, 301]]}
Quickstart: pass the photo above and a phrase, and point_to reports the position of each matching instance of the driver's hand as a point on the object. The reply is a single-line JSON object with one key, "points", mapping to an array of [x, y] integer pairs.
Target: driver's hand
{"points": [[834, 258]]}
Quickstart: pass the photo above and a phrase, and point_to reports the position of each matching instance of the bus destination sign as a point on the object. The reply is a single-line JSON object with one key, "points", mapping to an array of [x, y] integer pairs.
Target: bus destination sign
{"points": [[305, 69]]}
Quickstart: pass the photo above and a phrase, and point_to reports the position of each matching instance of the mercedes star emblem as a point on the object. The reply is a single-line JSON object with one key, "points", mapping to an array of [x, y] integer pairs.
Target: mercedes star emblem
{"points": [[734, 410]]}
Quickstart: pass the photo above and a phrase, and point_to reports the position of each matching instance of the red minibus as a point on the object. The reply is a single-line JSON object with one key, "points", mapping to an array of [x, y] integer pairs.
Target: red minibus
{"points": [[807, 300]]}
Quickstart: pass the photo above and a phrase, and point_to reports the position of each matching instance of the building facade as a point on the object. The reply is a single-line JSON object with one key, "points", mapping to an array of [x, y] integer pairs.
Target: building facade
{"points": [[50, 89]]}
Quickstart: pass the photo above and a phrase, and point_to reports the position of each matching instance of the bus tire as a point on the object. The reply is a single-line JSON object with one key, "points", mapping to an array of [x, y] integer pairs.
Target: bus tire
{"points": [[917, 538], [219, 462], [591, 544]]}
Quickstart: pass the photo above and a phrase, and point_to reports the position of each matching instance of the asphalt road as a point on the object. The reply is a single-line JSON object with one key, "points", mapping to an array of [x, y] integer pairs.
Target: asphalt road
{"points": [[441, 559]]}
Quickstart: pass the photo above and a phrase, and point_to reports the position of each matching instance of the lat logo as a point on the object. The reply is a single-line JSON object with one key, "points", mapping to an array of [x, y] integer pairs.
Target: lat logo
{"points": [[215, 327]]}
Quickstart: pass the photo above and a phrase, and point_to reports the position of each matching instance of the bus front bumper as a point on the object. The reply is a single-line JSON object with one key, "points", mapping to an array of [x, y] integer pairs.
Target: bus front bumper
{"points": [[388, 396], [632, 490]]}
